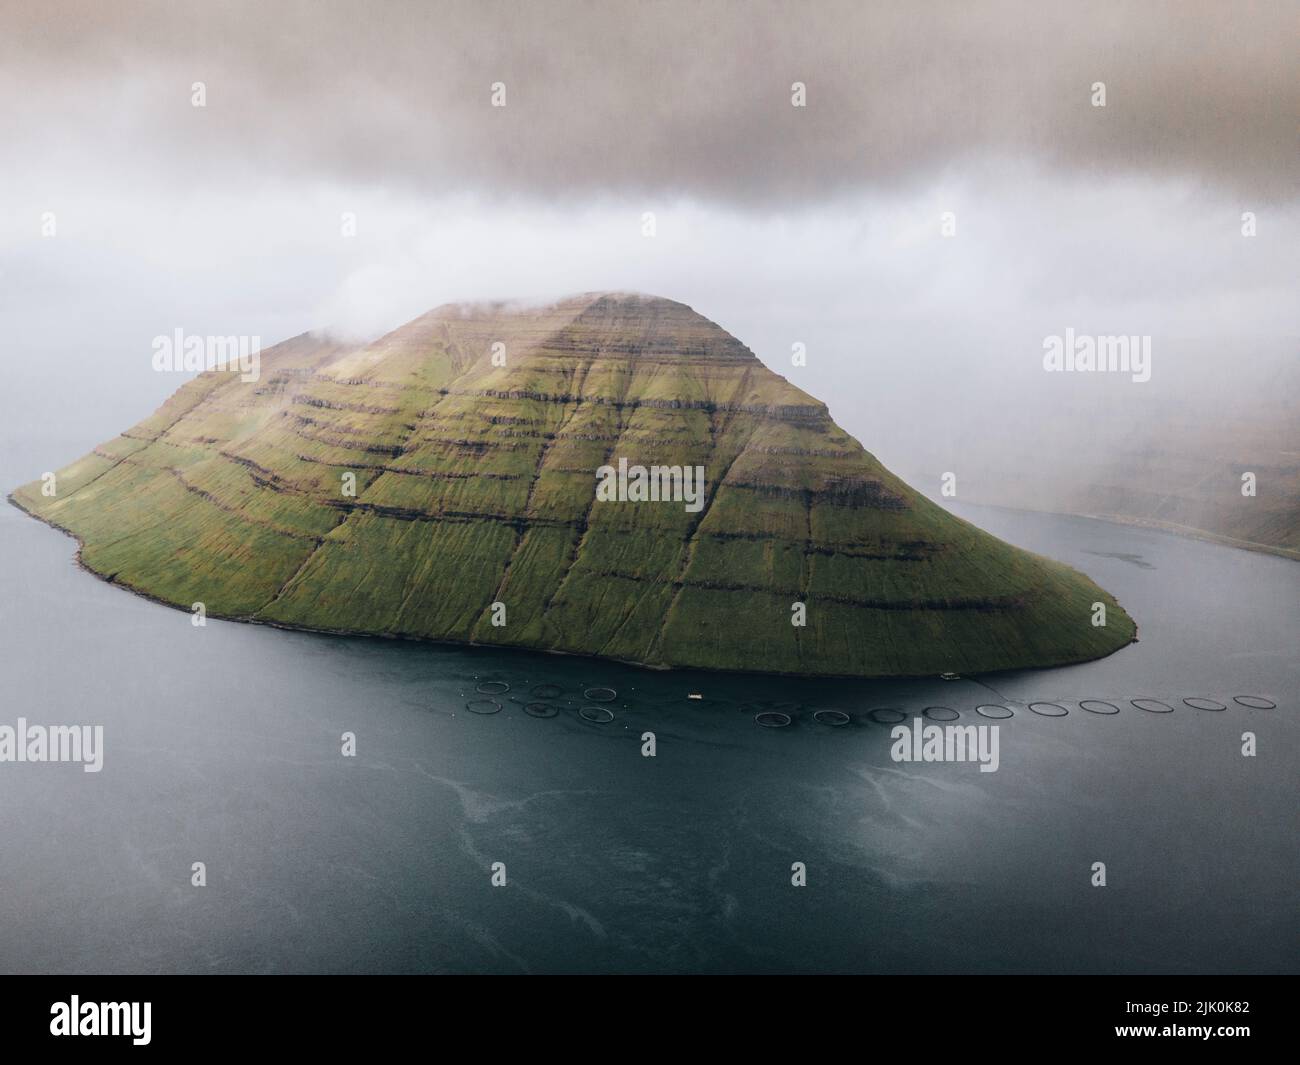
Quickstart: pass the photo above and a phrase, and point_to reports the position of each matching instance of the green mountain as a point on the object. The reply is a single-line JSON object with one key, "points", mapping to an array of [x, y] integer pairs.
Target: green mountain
{"points": [[476, 484]]}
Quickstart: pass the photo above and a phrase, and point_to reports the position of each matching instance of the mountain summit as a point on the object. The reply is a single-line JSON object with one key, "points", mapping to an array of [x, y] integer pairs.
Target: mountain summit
{"points": [[521, 475]]}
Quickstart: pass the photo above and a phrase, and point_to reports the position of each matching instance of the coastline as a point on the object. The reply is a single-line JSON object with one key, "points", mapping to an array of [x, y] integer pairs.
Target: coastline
{"points": [[322, 631], [1186, 532]]}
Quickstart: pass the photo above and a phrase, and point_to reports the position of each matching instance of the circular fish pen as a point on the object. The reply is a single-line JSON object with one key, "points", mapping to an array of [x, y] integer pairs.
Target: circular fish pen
{"points": [[1048, 709], [834, 718], [1255, 702], [773, 719], [886, 715], [1152, 706], [492, 687], [597, 715], [1099, 706], [600, 695], [941, 713], [483, 706], [1197, 703], [546, 691], [996, 711], [541, 710]]}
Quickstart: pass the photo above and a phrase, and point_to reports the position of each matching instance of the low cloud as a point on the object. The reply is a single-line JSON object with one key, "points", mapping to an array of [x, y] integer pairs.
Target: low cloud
{"points": [[656, 99]]}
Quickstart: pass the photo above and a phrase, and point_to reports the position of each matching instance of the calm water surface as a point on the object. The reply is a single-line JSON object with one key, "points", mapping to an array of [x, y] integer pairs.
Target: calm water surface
{"points": [[222, 746]]}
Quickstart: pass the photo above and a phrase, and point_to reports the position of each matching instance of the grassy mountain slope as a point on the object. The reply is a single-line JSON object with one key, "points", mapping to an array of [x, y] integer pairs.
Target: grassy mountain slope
{"points": [[475, 484]]}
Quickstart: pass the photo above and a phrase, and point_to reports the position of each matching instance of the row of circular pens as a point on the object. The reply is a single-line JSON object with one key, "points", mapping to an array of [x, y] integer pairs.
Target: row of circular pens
{"points": [[601, 715]]}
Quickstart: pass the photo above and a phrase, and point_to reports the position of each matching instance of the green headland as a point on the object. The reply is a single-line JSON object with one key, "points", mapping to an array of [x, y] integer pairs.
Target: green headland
{"points": [[405, 487]]}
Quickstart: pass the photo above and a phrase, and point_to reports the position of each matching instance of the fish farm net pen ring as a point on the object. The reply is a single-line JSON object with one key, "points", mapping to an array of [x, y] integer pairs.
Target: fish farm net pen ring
{"points": [[1048, 709], [597, 715], [886, 715], [600, 695], [1152, 706], [1255, 702], [941, 713], [541, 710], [994, 710], [1099, 706], [492, 687], [1204, 704], [547, 691], [773, 719], [483, 706], [831, 717]]}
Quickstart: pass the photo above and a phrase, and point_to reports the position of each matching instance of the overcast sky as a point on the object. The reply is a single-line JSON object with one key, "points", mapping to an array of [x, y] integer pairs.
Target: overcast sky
{"points": [[817, 224]]}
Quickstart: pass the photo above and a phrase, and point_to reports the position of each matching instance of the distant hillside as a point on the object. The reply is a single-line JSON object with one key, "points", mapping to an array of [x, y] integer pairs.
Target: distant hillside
{"points": [[476, 485], [1173, 460]]}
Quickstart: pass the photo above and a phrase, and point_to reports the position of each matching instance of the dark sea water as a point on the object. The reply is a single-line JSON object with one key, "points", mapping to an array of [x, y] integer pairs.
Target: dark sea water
{"points": [[222, 745]]}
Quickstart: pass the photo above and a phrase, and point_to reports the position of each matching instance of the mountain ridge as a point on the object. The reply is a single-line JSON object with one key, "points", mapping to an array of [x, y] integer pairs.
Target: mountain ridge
{"points": [[475, 486]]}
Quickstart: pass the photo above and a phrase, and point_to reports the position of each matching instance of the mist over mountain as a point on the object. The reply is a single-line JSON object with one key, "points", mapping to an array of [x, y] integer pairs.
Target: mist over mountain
{"points": [[818, 225], [1208, 447]]}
